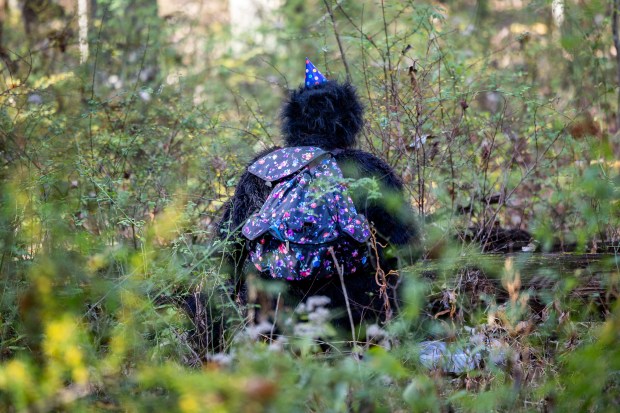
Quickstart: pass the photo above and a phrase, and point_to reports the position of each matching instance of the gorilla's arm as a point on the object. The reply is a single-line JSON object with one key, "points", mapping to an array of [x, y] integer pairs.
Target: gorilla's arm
{"points": [[250, 194], [392, 215]]}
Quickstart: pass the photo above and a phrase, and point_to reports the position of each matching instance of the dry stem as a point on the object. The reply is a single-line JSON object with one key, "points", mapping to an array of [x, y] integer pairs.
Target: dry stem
{"points": [[344, 291]]}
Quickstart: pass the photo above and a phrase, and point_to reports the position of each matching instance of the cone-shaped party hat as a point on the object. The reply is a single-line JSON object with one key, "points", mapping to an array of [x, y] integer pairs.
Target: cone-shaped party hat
{"points": [[313, 76]]}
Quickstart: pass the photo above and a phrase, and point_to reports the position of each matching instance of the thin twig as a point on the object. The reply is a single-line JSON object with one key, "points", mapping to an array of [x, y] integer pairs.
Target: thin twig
{"points": [[92, 86], [132, 97], [344, 58], [344, 291], [275, 317]]}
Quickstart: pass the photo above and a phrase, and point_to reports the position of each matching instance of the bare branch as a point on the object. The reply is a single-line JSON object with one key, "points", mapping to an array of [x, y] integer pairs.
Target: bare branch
{"points": [[342, 54]]}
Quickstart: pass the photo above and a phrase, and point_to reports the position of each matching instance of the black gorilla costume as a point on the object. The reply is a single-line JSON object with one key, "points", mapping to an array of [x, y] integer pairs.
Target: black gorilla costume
{"points": [[330, 116]]}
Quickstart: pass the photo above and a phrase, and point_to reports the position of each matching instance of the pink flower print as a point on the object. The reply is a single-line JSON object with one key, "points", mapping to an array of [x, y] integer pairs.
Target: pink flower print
{"points": [[261, 161], [357, 221], [326, 234], [304, 273], [313, 205], [353, 269], [287, 214], [262, 240], [355, 253], [282, 248], [258, 267]]}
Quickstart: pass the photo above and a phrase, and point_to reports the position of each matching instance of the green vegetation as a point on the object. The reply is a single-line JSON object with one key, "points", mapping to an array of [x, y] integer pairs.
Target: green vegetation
{"points": [[115, 164]]}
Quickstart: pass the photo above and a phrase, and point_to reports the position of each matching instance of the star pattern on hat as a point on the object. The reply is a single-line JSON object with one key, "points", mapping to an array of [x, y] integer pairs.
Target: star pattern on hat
{"points": [[313, 76]]}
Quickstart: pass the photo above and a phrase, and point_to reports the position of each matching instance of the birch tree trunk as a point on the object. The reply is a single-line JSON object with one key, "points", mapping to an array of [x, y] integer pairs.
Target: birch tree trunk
{"points": [[82, 7], [3, 6], [246, 18], [557, 11], [616, 36]]}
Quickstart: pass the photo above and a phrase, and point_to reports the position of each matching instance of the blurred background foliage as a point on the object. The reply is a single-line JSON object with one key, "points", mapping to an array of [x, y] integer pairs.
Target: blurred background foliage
{"points": [[124, 125]]}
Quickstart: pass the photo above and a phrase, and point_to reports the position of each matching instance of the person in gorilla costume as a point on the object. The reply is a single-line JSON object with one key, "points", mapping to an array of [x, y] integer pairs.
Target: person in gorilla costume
{"points": [[329, 115]]}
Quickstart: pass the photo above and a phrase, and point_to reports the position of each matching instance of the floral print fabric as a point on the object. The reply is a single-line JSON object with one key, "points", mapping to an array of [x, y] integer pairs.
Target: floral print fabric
{"points": [[305, 215], [298, 261], [283, 162]]}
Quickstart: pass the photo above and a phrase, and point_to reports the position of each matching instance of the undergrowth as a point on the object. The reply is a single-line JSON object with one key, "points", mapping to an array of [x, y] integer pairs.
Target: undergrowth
{"points": [[115, 169]]}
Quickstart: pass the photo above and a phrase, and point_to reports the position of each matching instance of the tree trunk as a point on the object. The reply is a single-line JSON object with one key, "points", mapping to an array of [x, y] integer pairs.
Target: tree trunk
{"points": [[82, 6], [538, 272], [3, 9], [614, 29], [246, 17], [557, 11]]}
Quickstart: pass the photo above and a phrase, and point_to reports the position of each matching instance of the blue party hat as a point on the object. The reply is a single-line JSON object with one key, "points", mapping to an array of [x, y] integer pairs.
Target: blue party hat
{"points": [[313, 76]]}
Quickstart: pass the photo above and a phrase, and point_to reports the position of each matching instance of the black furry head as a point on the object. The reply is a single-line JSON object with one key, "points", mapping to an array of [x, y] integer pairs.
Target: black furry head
{"points": [[328, 116]]}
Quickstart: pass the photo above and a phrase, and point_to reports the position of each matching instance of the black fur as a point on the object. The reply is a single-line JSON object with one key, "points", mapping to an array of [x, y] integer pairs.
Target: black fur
{"points": [[330, 116]]}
